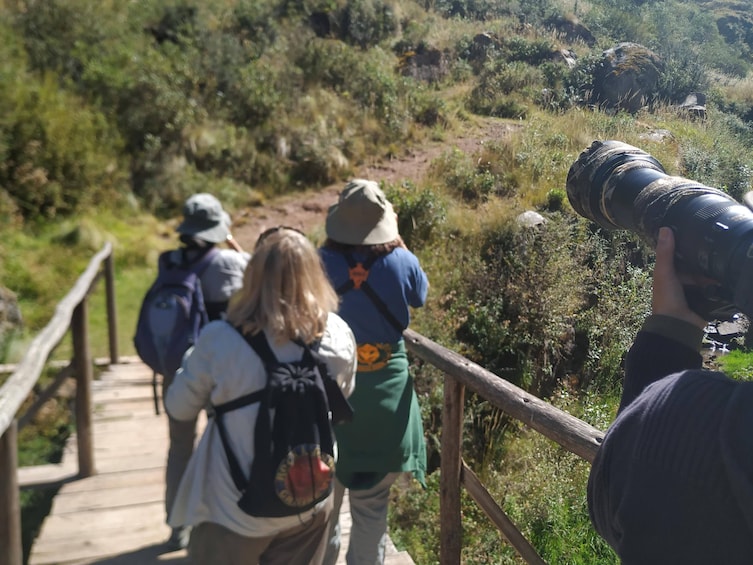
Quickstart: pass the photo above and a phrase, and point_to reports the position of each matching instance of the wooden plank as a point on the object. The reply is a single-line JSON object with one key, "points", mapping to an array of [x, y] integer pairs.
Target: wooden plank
{"points": [[149, 555], [109, 497], [106, 523], [104, 481], [121, 479], [95, 535], [398, 558], [110, 394], [128, 410], [40, 475], [117, 516]]}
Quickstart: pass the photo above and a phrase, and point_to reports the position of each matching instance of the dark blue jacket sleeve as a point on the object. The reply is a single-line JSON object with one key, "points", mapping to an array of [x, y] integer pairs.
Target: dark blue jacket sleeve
{"points": [[664, 346]]}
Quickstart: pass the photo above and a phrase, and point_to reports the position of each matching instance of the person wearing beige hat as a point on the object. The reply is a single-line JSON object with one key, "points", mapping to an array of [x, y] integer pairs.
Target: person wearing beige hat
{"points": [[379, 280], [205, 226]]}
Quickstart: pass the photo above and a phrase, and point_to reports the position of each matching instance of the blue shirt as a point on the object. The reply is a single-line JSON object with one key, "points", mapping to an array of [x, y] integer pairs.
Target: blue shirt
{"points": [[398, 280]]}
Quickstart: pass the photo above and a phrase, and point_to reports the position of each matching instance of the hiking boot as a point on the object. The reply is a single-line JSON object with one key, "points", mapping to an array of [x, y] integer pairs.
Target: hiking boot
{"points": [[179, 538]]}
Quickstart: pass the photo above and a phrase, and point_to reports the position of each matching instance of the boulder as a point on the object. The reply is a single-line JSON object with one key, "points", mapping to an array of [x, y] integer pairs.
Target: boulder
{"points": [[626, 78], [694, 105], [531, 219], [571, 28], [566, 56], [425, 64]]}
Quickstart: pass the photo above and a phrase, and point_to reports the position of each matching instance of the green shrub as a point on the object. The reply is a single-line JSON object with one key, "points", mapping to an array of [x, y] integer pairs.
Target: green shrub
{"points": [[426, 106], [534, 52], [523, 304], [57, 156], [368, 22], [493, 95], [474, 178], [723, 164], [420, 212], [555, 200], [366, 77], [52, 31], [619, 299]]}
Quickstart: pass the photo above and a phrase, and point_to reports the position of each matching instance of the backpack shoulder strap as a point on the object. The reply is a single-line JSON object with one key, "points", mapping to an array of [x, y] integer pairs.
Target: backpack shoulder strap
{"points": [[201, 263], [339, 406], [176, 257], [358, 274], [258, 343]]}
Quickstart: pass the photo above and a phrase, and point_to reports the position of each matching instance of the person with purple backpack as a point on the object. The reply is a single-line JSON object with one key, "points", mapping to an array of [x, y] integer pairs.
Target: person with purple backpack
{"points": [[205, 226]]}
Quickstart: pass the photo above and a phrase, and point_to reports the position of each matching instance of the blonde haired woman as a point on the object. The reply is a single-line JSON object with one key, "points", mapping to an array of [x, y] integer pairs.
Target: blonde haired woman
{"points": [[286, 295]]}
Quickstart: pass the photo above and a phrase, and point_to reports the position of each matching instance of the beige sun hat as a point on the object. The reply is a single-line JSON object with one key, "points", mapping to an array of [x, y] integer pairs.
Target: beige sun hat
{"points": [[362, 215]]}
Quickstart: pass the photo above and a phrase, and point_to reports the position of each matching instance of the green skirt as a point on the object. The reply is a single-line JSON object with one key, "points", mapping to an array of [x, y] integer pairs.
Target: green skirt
{"points": [[386, 434]]}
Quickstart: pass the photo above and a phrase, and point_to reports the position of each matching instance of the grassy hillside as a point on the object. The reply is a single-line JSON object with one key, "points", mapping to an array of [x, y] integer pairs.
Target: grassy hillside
{"points": [[112, 112]]}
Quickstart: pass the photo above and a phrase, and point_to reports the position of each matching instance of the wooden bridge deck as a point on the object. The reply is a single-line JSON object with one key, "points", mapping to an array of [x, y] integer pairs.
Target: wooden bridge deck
{"points": [[116, 517]]}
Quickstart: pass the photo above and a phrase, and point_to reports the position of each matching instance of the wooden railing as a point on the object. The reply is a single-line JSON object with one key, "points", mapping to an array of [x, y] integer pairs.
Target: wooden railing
{"points": [[71, 312], [460, 373], [569, 432]]}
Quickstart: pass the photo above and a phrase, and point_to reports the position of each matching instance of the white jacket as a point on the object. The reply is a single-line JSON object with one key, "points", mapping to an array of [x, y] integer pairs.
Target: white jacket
{"points": [[219, 368]]}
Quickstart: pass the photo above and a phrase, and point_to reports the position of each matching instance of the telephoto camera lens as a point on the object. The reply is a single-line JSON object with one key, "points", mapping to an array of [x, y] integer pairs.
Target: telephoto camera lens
{"points": [[619, 186]]}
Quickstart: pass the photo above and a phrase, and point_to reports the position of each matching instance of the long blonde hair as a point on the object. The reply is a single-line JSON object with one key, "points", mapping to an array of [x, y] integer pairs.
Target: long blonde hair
{"points": [[285, 290]]}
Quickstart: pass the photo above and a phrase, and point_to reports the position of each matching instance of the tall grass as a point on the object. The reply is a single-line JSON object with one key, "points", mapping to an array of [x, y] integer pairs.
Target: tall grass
{"points": [[43, 267]]}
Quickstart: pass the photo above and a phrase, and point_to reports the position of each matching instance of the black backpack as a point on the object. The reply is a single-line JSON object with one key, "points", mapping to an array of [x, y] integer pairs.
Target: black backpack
{"points": [[293, 466]]}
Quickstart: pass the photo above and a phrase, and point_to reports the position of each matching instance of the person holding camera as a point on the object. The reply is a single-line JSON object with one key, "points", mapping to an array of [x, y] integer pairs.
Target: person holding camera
{"points": [[672, 482]]}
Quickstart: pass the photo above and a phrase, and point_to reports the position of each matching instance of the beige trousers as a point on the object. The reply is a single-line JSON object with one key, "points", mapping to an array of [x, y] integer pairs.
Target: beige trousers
{"points": [[303, 545]]}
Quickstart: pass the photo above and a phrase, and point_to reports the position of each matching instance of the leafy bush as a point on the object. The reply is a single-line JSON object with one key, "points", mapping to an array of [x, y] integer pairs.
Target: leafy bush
{"points": [[366, 77], [528, 11], [420, 213], [502, 86], [367, 22], [619, 299], [474, 178], [531, 51], [523, 305], [57, 156], [726, 166]]}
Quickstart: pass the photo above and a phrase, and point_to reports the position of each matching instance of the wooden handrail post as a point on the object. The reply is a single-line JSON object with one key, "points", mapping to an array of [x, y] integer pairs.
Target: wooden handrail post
{"points": [[11, 550], [501, 520], [112, 313], [450, 467], [83, 363]]}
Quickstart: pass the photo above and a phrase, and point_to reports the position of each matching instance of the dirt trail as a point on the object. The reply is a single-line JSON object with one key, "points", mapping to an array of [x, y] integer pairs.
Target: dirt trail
{"points": [[307, 211]]}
